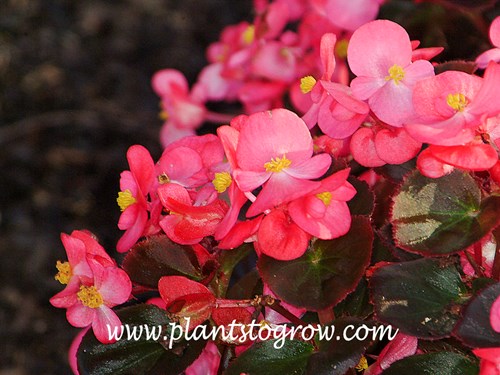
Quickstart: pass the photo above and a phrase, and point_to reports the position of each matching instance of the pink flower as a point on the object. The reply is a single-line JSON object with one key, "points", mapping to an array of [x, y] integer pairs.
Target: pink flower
{"points": [[132, 199], [188, 224], [380, 55], [275, 151], [490, 360], [183, 111], [492, 54], [279, 237], [90, 303], [452, 105], [323, 213], [348, 15], [483, 253], [336, 111]]}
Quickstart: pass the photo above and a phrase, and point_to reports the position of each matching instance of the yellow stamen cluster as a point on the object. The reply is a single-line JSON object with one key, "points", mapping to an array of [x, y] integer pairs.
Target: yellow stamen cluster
{"points": [[396, 73], [90, 296], [277, 165], [362, 364], [341, 48], [249, 34], [163, 179], [163, 115], [222, 181], [306, 84], [125, 199], [64, 274], [325, 197], [457, 101]]}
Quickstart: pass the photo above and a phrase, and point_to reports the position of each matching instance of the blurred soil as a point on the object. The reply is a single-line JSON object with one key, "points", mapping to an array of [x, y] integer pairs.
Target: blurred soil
{"points": [[74, 95]]}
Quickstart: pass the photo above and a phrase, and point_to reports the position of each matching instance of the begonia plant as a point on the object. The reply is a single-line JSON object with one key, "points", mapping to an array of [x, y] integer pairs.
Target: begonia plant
{"points": [[345, 220]]}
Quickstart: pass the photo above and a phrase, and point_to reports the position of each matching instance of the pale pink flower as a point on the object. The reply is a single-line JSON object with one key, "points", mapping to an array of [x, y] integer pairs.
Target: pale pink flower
{"points": [[380, 55]]}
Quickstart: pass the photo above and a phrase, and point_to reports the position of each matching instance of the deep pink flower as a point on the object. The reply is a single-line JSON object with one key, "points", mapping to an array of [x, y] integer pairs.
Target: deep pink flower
{"points": [[90, 303], [323, 213], [483, 252], [380, 55], [275, 151], [279, 237], [135, 185], [492, 54], [187, 224]]}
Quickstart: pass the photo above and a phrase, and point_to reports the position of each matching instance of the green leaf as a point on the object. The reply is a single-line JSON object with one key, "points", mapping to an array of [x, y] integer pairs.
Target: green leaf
{"points": [[327, 271], [442, 363], [475, 329], [439, 216], [420, 297], [264, 358], [157, 256], [337, 355], [140, 356]]}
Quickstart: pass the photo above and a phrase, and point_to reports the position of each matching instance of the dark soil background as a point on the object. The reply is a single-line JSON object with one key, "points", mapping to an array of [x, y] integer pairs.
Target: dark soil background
{"points": [[74, 95]]}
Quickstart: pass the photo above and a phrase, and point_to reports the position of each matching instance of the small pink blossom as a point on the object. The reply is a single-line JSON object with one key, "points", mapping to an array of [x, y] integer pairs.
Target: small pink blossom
{"points": [[275, 150], [495, 315], [380, 55], [400, 347], [135, 185]]}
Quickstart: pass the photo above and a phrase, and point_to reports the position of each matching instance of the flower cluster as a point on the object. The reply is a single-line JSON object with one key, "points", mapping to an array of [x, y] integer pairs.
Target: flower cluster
{"points": [[355, 163]]}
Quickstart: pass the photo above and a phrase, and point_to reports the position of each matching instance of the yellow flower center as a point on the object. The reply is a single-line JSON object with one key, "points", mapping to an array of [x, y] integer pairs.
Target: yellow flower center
{"points": [[457, 101], [163, 179], [249, 34], [362, 364], [396, 73], [125, 199], [222, 181], [325, 197], [64, 274], [163, 115], [306, 84], [277, 165], [90, 296], [341, 48]]}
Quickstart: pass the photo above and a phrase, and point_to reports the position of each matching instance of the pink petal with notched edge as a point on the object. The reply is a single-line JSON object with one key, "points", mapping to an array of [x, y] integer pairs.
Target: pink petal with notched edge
{"points": [[250, 180], [183, 166], [430, 166], [449, 132], [486, 101], [113, 283], [363, 148], [104, 318], [280, 188], [396, 147], [376, 46], [280, 238], [495, 315], [365, 87], [392, 103], [475, 157]]}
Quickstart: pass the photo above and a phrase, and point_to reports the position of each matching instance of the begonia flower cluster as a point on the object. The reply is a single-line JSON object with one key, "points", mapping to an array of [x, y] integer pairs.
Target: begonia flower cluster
{"points": [[330, 109]]}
